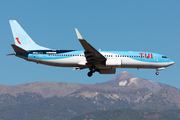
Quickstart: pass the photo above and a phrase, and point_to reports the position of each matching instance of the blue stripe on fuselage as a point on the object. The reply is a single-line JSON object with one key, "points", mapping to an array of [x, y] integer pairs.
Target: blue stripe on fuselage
{"points": [[144, 58], [48, 51], [62, 54], [51, 55]]}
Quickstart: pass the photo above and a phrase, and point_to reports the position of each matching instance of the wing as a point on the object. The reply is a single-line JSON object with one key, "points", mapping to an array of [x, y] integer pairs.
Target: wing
{"points": [[92, 55]]}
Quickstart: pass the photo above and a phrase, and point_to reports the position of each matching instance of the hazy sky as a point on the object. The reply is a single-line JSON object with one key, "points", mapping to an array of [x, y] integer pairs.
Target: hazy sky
{"points": [[127, 25]]}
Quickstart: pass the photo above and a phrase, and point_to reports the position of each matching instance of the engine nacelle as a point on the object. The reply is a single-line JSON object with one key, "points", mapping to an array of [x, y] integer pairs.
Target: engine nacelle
{"points": [[113, 62], [107, 71]]}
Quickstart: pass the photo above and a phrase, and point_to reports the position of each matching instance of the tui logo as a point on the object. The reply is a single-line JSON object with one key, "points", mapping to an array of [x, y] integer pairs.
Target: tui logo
{"points": [[18, 40], [147, 55]]}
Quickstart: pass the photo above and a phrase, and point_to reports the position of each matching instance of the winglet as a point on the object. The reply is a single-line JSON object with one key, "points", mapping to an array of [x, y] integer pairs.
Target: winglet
{"points": [[88, 48], [78, 34]]}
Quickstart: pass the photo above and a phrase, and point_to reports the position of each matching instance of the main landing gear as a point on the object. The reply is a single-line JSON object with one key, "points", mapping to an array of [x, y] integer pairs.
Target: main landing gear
{"points": [[92, 70]]}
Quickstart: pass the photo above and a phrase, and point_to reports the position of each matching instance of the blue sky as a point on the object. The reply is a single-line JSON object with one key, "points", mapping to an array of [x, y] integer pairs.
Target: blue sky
{"points": [[133, 25]]}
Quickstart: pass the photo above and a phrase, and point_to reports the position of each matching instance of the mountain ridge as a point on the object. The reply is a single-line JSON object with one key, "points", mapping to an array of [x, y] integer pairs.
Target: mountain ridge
{"points": [[61, 89], [62, 100]]}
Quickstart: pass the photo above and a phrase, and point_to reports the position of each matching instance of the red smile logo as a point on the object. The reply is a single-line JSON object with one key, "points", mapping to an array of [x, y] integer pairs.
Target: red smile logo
{"points": [[18, 40]]}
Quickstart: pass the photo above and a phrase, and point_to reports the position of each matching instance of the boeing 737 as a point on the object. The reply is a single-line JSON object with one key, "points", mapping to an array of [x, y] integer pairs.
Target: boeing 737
{"points": [[104, 62]]}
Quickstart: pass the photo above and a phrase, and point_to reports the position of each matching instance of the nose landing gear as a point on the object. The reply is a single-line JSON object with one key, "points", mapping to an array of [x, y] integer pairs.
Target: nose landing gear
{"points": [[157, 69], [157, 73]]}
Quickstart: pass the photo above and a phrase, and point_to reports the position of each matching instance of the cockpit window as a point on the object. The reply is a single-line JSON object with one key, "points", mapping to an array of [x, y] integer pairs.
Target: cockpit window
{"points": [[164, 57]]}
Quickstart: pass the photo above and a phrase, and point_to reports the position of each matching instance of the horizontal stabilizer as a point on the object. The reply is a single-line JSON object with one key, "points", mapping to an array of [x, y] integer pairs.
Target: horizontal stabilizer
{"points": [[18, 49], [11, 54]]}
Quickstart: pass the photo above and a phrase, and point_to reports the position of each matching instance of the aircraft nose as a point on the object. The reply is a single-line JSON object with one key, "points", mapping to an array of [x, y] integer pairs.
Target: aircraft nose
{"points": [[171, 62]]}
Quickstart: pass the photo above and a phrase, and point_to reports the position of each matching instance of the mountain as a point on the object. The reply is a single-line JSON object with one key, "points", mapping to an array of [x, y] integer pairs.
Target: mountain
{"points": [[46, 89], [129, 114], [61, 100], [61, 89], [126, 79], [168, 97], [119, 114]]}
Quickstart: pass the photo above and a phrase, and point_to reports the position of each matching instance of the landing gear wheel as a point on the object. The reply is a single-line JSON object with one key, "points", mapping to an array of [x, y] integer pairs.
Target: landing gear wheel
{"points": [[157, 73], [90, 74], [93, 69]]}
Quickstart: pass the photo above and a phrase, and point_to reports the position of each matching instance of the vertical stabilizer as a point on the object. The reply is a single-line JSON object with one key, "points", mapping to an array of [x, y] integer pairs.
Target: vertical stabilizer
{"points": [[22, 39]]}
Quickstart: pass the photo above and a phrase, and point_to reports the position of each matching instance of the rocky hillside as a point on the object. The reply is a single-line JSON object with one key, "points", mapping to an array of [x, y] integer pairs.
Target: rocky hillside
{"points": [[61, 89], [123, 86], [46, 89], [62, 100], [126, 79]]}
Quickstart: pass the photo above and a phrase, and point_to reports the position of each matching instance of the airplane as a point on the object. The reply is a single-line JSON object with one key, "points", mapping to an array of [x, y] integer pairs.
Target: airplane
{"points": [[104, 62]]}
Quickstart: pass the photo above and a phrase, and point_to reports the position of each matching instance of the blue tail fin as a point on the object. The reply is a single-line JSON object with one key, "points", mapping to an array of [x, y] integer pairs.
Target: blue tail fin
{"points": [[22, 39]]}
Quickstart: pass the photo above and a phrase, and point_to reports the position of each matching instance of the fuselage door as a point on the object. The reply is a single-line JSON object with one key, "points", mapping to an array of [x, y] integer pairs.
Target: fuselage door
{"points": [[155, 57], [40, 55]]}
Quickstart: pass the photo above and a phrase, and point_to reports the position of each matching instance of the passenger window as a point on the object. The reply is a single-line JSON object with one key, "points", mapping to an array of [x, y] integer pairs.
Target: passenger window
{"points": [[164, 57]]}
